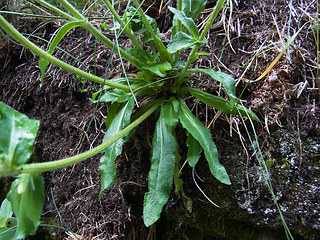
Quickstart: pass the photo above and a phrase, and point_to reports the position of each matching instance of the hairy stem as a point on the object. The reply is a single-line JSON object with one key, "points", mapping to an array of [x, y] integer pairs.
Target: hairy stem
{"points": [[53, 165]]}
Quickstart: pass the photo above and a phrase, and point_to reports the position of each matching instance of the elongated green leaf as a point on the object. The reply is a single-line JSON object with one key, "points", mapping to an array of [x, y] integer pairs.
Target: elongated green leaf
{"points": [[171, 116], [165, 55], [161, 171], [194, 149], [159, 68], [203, 136], [214, 101], [146, 108], [186, 21], [113, 95], [18, 133], [43, 64], [221, 104], [178, 182], [141, 55], [192, 8], [26, 197], [180, 41], [107, 162], [112, 111], [115, 80], [227, 81]]}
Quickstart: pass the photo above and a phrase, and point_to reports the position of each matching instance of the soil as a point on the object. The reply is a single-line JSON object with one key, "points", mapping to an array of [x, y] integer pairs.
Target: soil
{"points": [[251, 36]]}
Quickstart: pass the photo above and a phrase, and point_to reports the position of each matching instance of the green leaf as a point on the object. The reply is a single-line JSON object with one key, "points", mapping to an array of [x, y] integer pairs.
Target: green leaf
{"points": [[194, 150], [227, 81], [113, 95], [8, 232], [145, 108], [114, 80], [171, 110], [180, 41], [186, 21], [136, 23], [62, 32], [221, 104], [7, 223], [26, 197], [140, 54], [6, 209], [107, 162], [203, 136], [159, 68], [192, 8], [161, 171], [112, 111], [18, 133], [203, 54], [3, 221], [214, 101], [178, 183]]}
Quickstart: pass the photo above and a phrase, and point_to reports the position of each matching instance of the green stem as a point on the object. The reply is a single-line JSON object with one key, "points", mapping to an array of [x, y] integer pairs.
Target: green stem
{"points": [[53, 165], [87, 25], [7, 27], [192, 55], [55, 9], [165, 55], [48, 16], [127, 30], [178, 28], [110, 44], [213, 16], [71, 9], [33, 15], [97, 33]]}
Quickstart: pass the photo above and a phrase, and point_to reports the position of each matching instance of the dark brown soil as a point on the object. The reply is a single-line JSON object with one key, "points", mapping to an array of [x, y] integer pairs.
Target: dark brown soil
{"points": [[288, 95]]}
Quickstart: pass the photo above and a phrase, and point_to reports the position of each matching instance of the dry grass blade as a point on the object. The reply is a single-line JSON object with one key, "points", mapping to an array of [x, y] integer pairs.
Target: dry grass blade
{"points": [[275, 61]]}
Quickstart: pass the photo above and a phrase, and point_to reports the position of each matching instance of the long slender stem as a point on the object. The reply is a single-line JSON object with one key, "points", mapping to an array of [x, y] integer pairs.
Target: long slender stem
{"points": [[87, 25], [192, 55], [165, 55], [53, 165], [7, 27], [127, 30], [178, 28], [110, 44], [213, 16], [71, 9], [55, 9]]}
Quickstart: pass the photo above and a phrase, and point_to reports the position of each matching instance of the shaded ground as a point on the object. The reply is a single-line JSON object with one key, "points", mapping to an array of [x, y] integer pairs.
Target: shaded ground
{"points": [[252, 34]]}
